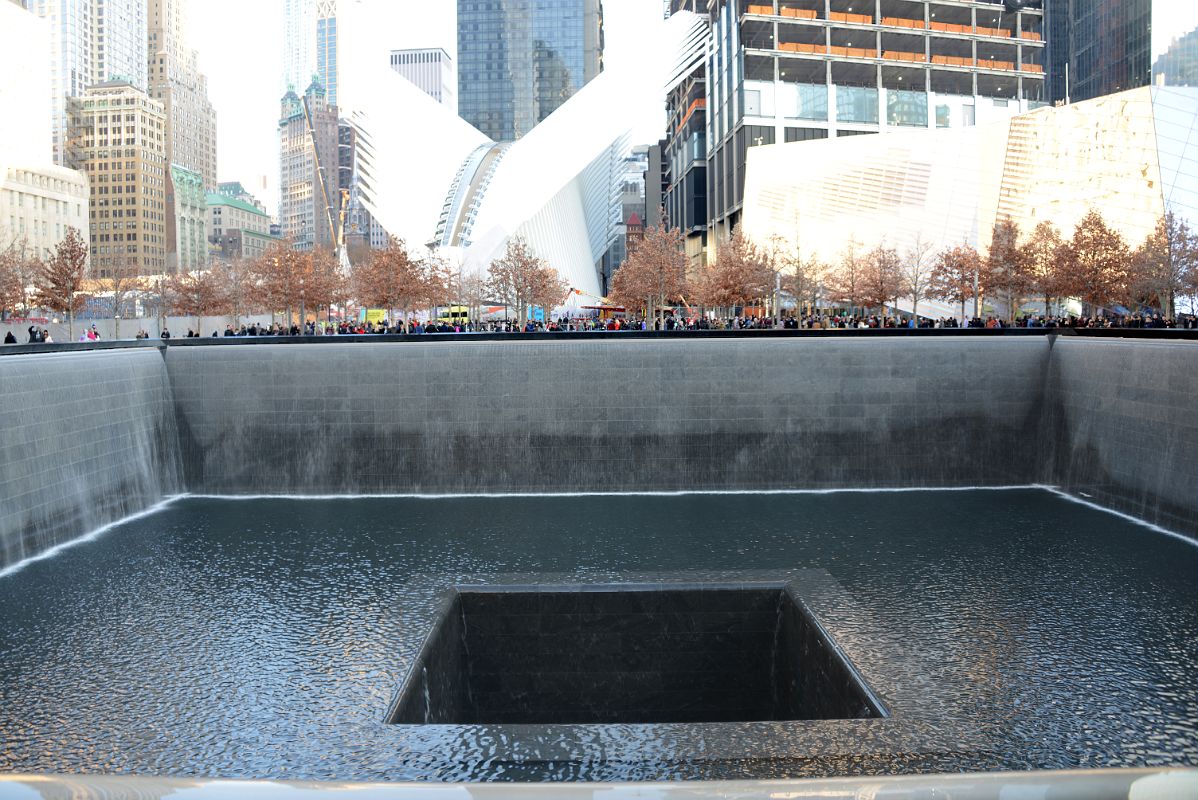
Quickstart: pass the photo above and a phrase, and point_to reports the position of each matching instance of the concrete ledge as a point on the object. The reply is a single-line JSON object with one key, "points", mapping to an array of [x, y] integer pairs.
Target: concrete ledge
{"points": [[1099, 784]]}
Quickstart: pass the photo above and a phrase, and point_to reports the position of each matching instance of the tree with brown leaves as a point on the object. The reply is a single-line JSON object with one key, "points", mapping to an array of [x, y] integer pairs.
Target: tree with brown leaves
{"points": [[17, 268], [741, 274], [239, 278], [1005, 272], [280, 277], [883, 278], [390, 279], [1165, 267], [954, 276], [1095, 264], [520, 279], [654, 275], [436, 282], [197, 294], [846, 281], [1042, 258], [321, 284], [61, 278]]}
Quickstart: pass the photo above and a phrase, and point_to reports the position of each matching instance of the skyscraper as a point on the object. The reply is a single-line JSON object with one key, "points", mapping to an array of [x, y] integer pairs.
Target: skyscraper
{"points": [[327, 41], [792, 70], [520, 60], [309, 175], [176, 82], [38, 199], [91, 42], [299, 44], [118, 137], [190, 140], [1097, 47]]}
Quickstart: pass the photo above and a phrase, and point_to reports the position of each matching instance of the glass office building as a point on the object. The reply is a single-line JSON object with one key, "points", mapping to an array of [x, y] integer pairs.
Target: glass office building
{"points": [[782, 71], [520, 60], [1097, 47]]}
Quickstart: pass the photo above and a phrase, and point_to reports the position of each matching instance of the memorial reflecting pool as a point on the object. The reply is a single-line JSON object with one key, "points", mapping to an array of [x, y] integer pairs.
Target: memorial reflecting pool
{"points": [[1000, 629]]}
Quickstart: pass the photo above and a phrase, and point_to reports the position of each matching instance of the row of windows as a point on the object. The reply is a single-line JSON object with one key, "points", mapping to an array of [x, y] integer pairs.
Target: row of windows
{"points": [[17, 200], [43, 182], [17, 225]]}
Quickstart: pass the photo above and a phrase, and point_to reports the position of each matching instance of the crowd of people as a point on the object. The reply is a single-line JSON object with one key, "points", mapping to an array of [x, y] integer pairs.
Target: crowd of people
{"points": [[669, 323]]}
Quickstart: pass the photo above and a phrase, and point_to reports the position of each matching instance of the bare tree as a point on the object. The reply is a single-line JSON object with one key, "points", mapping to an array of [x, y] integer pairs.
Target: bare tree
{"points": [[122, 281], [918, 262], [238, 277], [61, 278], [518, 279]]}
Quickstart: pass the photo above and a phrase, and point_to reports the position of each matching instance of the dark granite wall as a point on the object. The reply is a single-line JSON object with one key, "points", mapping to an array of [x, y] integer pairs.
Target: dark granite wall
{"points": [[608, 415], [1122, 425], [85, 439], [89, 437], [529, 655]]}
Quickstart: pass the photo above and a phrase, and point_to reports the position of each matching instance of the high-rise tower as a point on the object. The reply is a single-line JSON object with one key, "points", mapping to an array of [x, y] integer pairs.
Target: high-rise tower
{"points": [[190, 136], [299, 44], [520, 60], [91, 42], [1099, 47]]}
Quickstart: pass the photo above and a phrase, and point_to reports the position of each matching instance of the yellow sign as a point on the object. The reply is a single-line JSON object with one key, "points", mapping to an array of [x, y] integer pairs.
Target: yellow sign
{"points": [[374, 315]]}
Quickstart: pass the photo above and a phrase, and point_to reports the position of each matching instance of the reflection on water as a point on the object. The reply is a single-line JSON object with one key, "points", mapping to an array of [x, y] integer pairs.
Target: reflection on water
{"points": [[265, 638]]}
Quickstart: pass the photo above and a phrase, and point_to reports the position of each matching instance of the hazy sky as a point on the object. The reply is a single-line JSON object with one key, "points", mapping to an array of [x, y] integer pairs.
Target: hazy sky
{"points": [[240, 44]]}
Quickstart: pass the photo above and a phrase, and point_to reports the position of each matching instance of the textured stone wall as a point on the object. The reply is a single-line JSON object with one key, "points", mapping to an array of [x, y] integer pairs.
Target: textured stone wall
{"points": [[1122, 419], [85, 439], [90, 437], [608, 415]]}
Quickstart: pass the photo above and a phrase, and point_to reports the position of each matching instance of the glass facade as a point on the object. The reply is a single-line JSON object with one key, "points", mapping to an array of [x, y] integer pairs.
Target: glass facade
{"points": [[841, 67], [520, 60], [299, 18], [326, 56], [1097, 47], [1178, 65]]}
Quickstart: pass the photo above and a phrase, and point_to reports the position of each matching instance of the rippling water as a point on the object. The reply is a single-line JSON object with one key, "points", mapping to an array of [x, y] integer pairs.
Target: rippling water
{"points": [[265, 638]]}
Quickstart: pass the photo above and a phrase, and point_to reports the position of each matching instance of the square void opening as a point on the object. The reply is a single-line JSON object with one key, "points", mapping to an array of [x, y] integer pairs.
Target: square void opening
{"points": [[512, 656]]}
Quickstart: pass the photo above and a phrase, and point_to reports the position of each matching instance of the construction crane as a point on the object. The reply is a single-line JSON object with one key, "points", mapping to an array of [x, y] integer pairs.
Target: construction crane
{"points": [[336, 228]]}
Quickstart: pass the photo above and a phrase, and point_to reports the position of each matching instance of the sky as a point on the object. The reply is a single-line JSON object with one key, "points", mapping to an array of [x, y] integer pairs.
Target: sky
{"points": [[240, 44]]}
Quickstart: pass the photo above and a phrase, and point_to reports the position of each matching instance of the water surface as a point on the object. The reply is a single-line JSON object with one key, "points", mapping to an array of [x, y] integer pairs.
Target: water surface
{"points": [[265, 638]]}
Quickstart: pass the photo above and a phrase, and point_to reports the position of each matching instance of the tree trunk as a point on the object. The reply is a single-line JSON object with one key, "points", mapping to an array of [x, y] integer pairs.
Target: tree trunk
{"points": [[71, 323]]}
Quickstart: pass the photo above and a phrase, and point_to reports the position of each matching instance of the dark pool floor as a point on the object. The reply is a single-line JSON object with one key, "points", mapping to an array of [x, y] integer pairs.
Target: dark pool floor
{"points": [[266, 638]]}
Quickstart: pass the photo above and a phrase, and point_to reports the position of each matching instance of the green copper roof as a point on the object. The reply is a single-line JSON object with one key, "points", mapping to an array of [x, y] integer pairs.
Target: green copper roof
{"points": [[216, 199]]}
